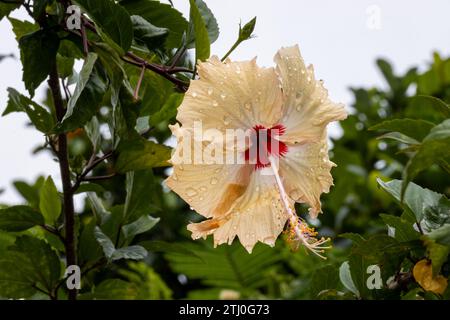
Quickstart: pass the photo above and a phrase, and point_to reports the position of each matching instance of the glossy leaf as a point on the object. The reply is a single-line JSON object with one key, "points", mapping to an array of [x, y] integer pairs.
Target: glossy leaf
{"points": [[161, 15], [38, 55], [199, 32], [38, 115], [114, 22], [141, 154], [147, 34], [50, 203], [19, 218]]}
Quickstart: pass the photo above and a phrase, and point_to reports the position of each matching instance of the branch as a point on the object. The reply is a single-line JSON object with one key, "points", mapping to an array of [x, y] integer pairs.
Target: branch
{"points": [[62, 154], [93, 162], [166, 72]]}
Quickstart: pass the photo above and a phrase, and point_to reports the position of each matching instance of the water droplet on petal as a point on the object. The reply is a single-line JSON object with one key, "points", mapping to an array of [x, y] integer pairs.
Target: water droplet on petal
{"points": [[226, 120], [214, 181], [210, 91], [194, 94], [247, 106], [191, 192], [223, 96], [215, 104]]}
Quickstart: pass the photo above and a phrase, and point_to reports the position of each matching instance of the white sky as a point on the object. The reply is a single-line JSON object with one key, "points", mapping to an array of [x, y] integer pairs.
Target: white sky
{"points": [[341, 38]]}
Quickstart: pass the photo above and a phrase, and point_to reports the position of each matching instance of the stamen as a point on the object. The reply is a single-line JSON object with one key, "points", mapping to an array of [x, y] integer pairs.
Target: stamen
{"points": [[299, 232]]}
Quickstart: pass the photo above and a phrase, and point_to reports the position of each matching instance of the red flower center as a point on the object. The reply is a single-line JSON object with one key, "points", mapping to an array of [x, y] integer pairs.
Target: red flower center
{"points": [[265, 143]]}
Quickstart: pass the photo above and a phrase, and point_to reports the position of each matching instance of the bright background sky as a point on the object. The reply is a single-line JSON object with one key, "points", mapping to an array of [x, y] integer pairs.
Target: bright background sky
{"points": [[341, 38]]}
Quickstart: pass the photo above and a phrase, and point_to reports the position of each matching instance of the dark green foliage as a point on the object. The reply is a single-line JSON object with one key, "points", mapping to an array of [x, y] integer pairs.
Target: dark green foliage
{"points": [[389, 207]]}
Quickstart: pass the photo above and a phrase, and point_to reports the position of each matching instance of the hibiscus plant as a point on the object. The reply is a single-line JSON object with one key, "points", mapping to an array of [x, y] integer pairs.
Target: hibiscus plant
{"points": [[163, 143]]}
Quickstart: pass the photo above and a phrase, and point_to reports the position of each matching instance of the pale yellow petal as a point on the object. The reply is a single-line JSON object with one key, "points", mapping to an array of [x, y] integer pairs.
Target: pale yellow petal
{"points": [[235, 95], [307, 108], [258, 215], [305, 170], [210, 189]]}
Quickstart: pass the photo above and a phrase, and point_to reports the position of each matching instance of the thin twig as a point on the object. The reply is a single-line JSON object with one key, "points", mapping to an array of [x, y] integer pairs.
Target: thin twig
{"points": [[139, 83], [97, 178], [53, 231]]}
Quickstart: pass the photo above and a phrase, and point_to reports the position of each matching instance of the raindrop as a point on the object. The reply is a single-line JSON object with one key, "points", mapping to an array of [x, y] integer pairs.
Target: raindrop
{"points": [[191, 192], [215, 104], [214, 181], [223, 96], [226, 120], [210, 91], [194, 94]]}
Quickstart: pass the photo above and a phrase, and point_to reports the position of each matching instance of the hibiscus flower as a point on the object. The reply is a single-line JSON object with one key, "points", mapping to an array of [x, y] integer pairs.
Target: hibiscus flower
{"points": [[283, 159]]}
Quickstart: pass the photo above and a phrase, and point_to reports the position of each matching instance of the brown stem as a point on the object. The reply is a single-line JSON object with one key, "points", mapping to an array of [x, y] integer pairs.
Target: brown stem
{"points": [[62, 154], [93, 162], [85, 40]]}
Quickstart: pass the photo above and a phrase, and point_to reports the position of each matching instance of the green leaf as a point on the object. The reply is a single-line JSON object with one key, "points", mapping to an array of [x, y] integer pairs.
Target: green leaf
{"points": [[86, 105], [83, 79], [130, 252], [113, 65], [138, 202], [141, 225], [39, 7], [404, 230], [200, 33], [92, 129], [399, 137], [441, 235], [38, 55], [414, 128], [21, 28], [168, 110], [435, 149], [146, 34], [40, 117], [28, 193], [19, 218], [428, 106], [112, 20], [105, 242], [226, 266], [161, 15], [323, 279], [113, 289], [437, 253], [65, 66], [209, 21], [417, 200], [166, 247], [346, 278], [386, 69], [141, 154], [90, 187], [29, 263], [355, 237], [50, 203], [7, 8]]}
